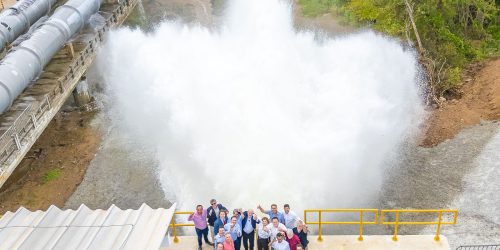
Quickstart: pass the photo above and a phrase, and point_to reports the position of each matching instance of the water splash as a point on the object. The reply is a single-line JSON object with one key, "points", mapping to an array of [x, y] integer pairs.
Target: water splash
{"points": [[258, 113]]}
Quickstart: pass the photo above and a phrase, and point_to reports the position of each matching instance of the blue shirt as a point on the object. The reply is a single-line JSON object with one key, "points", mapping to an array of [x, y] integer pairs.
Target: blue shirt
{"points": [[235, 232], [218, 223], [240, 220], [278, 215], [218, 239]]}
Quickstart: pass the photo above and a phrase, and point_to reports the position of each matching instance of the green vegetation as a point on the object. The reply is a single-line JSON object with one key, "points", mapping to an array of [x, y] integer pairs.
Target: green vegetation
{"points": [[51, 175], [453, 33], [312, 8]]}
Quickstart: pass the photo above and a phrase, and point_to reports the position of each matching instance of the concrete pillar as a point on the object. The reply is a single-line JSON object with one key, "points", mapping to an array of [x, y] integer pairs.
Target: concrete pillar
{"points": [[81, 93]]}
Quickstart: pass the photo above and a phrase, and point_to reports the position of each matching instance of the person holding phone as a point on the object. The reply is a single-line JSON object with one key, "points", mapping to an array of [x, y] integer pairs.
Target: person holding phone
{"points": [[234, 229]]}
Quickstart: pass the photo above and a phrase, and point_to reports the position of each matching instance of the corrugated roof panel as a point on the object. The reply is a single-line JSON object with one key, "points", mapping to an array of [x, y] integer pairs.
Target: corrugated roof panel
{"points": [[84, 228], [20, 226], [49, 229], [6, 218], [147, 230], [114, 231], [80, 225]]}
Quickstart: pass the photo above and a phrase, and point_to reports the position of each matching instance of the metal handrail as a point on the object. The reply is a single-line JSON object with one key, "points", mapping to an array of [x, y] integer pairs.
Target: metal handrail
{"points": [[22, 126], [397, 222], [360, 222], [175, 225], [479, 247]]}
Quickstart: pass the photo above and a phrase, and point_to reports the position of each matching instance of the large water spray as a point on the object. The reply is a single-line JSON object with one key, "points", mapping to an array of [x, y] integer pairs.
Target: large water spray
{"points": [[257, 112]]}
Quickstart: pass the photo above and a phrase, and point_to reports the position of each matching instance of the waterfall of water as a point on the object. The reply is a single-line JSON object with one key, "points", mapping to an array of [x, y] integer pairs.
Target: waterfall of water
{"points": [[257, 112]]}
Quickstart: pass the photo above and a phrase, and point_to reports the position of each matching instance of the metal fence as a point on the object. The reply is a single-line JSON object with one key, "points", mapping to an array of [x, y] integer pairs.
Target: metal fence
{"points": [[397, 222], [479, 247], [362, 215]]}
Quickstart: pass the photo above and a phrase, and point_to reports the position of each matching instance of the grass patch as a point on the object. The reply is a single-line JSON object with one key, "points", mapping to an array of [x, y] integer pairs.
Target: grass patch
{"points": [[51, 175], [312, 8]]}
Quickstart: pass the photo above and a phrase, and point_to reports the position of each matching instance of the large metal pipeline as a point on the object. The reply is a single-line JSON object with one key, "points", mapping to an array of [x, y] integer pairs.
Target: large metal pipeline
{"points": [[17, 19], [21, 66]]}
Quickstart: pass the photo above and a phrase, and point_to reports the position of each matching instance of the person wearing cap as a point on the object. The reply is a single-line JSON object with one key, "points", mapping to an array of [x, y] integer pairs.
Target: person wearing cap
{"points": [[264, 234], [279, 243], [200, 224], [302, 230], [273, 213], [213, 214], [248, 225], [234, 229], [293, 240], [221, 221], [290, 217]]}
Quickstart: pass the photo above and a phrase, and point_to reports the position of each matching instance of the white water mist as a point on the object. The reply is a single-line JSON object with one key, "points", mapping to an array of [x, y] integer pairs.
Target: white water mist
{"points": [[259, 113]]}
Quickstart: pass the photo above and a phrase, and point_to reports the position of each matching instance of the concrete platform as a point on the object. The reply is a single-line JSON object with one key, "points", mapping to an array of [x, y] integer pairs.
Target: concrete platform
{"points": [[349, 242]]}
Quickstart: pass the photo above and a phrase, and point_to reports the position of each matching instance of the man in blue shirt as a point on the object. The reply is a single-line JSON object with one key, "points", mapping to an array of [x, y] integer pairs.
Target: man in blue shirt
{"points": [[234, 229], [239, 221], [273, 213], [221, 220], [248, 226]]}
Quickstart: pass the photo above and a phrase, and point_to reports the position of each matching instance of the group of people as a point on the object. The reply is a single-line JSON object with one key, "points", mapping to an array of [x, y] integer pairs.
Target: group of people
{"points": [[279, 230]]}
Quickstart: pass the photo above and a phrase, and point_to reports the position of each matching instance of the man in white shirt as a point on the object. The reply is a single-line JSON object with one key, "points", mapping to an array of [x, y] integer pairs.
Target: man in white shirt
{"points": [[290, 217], [279, 243], [276, 228], [264, 233]]}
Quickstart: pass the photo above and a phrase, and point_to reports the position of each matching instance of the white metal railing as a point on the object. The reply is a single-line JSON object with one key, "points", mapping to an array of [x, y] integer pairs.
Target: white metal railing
{"points": [[20, 131]]}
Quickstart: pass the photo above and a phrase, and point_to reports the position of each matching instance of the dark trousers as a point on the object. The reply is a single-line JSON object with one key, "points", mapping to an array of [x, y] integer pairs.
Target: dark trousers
{"points": [[248, 237], [199, 233], [237, 243], [263, 244]]}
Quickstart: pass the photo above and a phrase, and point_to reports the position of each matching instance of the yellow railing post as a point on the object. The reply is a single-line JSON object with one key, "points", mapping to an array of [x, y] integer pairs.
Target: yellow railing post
{"points": [[395, 237], [360, 238], [174, 230], [436, 238], [319, 227]]}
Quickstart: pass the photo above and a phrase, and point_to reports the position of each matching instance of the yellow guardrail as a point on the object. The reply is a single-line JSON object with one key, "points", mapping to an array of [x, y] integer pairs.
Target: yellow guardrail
{"points": [[361, 222], [175, 225], [363, 213], [439, 222]]}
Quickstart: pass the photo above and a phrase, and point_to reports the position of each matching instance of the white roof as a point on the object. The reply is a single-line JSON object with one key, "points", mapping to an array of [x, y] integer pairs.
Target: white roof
{"points": [[144, 228]]}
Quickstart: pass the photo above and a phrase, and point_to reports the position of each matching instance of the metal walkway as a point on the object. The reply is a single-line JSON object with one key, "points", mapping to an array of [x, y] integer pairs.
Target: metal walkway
{"points": [[33, 110]]}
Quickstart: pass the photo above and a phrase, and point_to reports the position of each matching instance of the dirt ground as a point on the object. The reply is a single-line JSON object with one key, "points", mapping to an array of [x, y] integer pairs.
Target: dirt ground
{"points": [[54, 166], [480, 102]]}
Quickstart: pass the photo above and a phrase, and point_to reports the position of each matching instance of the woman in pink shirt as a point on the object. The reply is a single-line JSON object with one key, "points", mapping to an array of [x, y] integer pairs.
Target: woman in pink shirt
{"points": [[228, 243], [292, 239]]}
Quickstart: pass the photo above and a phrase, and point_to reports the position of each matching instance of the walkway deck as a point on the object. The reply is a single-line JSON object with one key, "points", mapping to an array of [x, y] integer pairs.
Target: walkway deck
{"points": [[350, 242]]}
